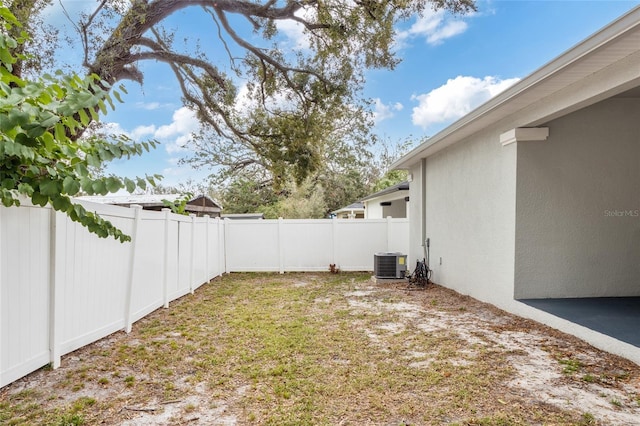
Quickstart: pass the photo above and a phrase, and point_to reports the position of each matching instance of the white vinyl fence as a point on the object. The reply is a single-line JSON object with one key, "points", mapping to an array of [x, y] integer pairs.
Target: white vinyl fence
{"points": [[62, 288]]}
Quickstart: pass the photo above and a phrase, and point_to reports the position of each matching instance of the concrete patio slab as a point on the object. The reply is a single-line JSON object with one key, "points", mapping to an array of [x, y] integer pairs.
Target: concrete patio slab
{"points": [[618, 317]]}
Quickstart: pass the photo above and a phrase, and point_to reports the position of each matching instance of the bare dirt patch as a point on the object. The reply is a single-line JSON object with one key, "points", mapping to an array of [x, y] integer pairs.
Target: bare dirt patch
{"points": [[330, 349]]}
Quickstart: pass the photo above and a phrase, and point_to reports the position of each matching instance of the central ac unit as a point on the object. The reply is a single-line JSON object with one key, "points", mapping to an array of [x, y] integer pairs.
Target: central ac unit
{"points": [[389, 265]]}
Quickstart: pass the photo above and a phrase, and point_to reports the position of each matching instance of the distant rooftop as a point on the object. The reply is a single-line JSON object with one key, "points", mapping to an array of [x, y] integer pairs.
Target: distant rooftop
{"points": [[200, 205], [246, 216], [353, 206], [402, 186]]}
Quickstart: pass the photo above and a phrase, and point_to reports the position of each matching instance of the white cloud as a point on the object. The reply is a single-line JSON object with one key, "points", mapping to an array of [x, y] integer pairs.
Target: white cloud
{"points": [[448, 30], [184, 122], [382, 112], [111, 128], [294, 31], [179, 144], [456, 98], [246, 101], [175, 136], [434, 27], [142, 131], [148, 106]]}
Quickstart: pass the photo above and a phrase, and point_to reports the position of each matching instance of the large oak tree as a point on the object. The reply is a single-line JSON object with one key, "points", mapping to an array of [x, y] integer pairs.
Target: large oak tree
{"points": [[297, 104], [297, 96]]}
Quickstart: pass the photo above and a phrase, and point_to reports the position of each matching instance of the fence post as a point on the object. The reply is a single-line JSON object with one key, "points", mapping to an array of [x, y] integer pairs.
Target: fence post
{"points": [[219, 271], [132, 262], [334, 240], [165, 268], [54, 296], [206, 258], [280, 246], [388, 233], [193, 251], [222, 235], [226, 225]]}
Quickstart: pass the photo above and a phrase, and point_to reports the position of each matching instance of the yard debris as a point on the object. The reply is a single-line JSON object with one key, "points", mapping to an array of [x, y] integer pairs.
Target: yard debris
{"points": [[150, 409]]}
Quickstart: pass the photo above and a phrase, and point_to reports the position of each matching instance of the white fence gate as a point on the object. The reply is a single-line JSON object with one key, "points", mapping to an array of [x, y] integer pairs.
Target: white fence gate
{"points": [[62, 288]]}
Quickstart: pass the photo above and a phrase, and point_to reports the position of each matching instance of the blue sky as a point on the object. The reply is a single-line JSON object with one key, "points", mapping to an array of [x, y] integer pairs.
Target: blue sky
{"points": [[451, 64]]}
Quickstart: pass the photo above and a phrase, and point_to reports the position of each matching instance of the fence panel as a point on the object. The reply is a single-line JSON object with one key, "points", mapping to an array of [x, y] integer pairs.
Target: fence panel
{"points": [[252, 246], [199, 253], [398, 236], [311, 245], [306, 245], [147, 287], [62, 287], [24, 291], [91, 280], [183, 284], [357, 241]]}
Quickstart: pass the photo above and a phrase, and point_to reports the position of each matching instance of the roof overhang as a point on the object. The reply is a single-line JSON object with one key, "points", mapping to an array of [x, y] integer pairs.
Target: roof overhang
{"points": [[605, 64], [402, 186]]}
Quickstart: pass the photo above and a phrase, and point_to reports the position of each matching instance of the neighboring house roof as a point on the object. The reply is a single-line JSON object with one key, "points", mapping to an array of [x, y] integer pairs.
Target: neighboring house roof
{"points": [[402, 186], [601, 66], [201, 203], [357, 206], [243, 216]]}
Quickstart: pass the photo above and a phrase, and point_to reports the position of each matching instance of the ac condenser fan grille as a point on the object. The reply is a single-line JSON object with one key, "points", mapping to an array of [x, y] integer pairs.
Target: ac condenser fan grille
{"points": [[389, 265]]}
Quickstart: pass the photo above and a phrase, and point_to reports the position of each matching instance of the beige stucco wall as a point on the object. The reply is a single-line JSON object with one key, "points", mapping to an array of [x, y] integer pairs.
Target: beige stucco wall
{"points": [[415, 212], [397, 209], [469, 210], [578, 205]]}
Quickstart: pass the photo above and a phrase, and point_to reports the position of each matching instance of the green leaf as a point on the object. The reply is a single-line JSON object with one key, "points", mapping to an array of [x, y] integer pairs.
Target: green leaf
{"points": [[81, 170], [50, 187], [129, 185], [16, 117], [6, 15], [105, 155], [113, 184], [59, 132], [34, 130], [25, 140], [70, 186], [142, 184], [60, 202], [87, 185], [79, 209], [99, 187], [103, 107], [8, 184], [25, 188], [84, 118], [39, 199], [49, 120], [49, 141], [93, 161]]}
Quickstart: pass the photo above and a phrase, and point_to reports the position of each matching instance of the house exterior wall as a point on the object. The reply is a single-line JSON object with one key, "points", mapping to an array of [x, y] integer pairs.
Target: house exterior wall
{"points": [[469, 216], [578, 205], [398, 208], [416, 213]]}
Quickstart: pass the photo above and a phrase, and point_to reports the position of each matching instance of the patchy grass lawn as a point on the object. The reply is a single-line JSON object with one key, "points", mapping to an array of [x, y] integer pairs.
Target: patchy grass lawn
{"points": [[323, 349]]}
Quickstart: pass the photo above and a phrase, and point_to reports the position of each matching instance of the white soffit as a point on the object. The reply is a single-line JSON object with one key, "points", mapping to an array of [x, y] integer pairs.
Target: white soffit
{"points": [[521, 134]]}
